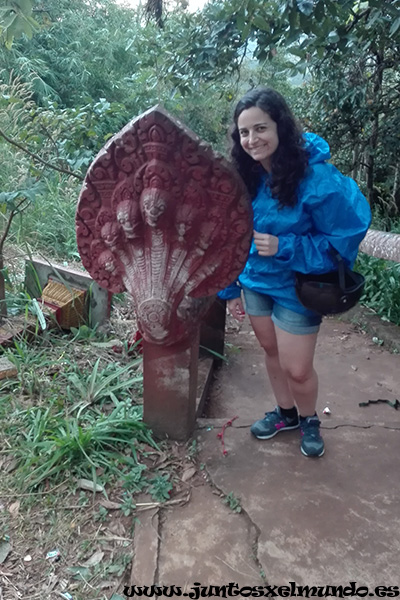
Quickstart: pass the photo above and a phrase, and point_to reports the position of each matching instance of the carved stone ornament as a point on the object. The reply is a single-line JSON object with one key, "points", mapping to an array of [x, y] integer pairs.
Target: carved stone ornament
{"points": [[163, 217]]}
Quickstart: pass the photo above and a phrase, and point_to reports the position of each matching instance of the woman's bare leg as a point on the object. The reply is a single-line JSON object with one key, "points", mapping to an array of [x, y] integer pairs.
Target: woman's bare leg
{"points": [[264, 330], [296, 357]]}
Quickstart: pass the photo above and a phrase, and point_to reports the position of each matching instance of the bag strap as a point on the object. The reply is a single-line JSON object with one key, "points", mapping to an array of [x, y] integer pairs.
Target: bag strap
{"points": [[342, 268]]}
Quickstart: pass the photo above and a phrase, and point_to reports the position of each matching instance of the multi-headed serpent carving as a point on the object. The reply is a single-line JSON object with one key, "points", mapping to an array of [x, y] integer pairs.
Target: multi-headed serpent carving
{"points": [[162, 216]]}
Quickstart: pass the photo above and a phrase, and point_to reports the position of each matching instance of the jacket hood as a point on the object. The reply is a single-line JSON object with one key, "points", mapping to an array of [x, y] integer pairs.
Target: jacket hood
{"points": [[317, 148]]}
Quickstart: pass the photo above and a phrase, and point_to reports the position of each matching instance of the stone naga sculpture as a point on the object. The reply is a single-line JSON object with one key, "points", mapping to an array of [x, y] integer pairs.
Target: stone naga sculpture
{"points": [[163, 217]]}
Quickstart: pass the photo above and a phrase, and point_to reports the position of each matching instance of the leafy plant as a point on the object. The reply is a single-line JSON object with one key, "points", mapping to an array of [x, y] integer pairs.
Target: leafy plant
{"points": [[128, 504], [118, 567], [84, 333], [160, 488], [233, 502], [382, 286], [15, 19], [133, 480], [193, 449], [101, 514]]}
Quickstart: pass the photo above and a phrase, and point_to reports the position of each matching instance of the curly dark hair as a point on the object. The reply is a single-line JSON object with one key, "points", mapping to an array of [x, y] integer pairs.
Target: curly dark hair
{"points": [[288, 163]]}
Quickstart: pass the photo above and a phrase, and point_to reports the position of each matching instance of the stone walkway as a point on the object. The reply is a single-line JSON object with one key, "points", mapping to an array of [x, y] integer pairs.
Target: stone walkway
{"points": [[324, 521]]}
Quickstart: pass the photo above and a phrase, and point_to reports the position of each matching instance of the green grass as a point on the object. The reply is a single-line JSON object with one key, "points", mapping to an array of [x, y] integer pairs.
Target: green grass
{"points": [[97, 386], [53, 446], [72, 412], [48, 225]]}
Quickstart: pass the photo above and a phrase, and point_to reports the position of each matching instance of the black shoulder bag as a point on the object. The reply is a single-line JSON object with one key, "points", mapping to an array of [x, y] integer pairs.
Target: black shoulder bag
{"points": [[330, 293]]}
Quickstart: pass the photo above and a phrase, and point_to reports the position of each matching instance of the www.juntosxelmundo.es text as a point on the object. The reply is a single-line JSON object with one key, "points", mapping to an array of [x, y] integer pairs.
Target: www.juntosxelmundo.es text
{"points": [[292, 590]]}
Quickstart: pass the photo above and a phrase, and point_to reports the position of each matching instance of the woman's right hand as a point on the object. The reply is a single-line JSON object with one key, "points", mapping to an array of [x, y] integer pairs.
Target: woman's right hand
{"points": [[235, 308]]}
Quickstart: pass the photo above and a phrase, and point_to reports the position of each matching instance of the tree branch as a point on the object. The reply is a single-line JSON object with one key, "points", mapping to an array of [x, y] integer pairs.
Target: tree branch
{"points": [[357, 18], [35, 157], [14, 212], [6, 230]]}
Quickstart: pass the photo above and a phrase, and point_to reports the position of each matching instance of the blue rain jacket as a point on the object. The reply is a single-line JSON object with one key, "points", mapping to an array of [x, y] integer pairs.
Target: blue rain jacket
{"points": [[330, 210]]}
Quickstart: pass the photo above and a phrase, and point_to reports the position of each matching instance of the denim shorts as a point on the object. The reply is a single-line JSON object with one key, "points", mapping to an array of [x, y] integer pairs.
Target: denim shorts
{"points": [[261, 305]]}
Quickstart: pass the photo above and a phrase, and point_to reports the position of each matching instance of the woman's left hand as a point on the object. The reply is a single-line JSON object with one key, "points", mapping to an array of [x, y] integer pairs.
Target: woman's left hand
{"points": [[266, 244]]}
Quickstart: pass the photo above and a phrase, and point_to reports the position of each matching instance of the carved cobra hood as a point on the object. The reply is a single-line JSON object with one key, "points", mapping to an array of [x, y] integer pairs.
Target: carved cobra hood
{"points": [[163, 217]]}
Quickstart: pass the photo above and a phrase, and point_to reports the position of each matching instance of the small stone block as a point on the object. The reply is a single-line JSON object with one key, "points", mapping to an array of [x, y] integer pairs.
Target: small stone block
{"points": [[15, 328], [38, 272], [6, 337], [7, 368]]}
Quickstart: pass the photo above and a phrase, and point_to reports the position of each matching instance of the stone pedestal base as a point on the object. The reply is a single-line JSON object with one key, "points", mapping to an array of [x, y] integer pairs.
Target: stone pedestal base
{"points": [[170, 388]]}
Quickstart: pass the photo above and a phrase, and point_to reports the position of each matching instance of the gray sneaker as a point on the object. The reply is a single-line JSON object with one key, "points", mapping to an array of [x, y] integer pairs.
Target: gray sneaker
{"points": [[273, 423], [312, 443]]}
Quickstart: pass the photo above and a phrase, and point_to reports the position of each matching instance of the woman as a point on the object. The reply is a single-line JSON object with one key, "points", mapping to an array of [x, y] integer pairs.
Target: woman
{"points": [[302, 208]]}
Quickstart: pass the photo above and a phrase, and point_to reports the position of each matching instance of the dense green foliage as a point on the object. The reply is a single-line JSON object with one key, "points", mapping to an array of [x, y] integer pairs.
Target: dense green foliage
{"points": [[75, 71]]}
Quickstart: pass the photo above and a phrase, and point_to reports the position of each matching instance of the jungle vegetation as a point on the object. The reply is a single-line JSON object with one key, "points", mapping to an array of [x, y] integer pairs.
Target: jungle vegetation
{"points": [[73, 72]]}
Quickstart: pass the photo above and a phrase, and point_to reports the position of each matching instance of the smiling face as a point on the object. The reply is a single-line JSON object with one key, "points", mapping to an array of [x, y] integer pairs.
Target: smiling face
{"points": [[258, 135]]}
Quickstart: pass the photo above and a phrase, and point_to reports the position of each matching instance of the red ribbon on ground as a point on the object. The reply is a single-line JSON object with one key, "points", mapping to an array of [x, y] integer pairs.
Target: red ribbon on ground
{"points": [[220, 435]]}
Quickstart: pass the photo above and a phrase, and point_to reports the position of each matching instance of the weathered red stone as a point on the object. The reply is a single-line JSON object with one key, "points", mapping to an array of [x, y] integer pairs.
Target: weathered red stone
{"points": [[170, 387], [163, 217]]}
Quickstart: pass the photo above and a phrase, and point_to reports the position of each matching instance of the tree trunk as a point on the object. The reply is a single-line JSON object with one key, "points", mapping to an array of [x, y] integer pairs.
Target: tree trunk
{"points": [[373, 140], [395, 192], [373, 143], [382, 245], [3, 305], [355, 161]]}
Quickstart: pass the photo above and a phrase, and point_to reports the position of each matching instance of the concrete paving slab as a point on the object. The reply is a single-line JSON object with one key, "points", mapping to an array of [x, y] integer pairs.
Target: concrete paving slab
{"points": [[326, 521], [146, 541], [206, 542], [351, 369], [321, 521]]}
